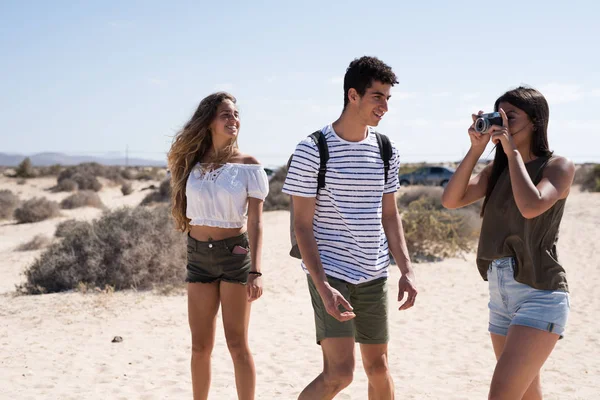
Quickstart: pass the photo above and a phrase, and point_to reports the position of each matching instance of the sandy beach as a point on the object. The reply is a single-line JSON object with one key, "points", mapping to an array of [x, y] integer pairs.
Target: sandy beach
{"points": [[59, 346]]}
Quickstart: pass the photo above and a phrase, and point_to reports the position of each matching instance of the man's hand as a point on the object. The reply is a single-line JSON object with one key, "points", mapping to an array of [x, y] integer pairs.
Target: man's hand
{"points": [[407, 284], [332, 299]]}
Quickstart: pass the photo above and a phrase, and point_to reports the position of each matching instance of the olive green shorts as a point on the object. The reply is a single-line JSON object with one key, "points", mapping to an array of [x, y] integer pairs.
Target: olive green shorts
{"points": [[214, 261], [369, 300]]}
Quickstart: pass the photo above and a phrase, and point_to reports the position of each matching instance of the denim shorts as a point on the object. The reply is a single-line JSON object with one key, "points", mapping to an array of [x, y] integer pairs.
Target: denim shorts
{"points": [[514, 303], [214, 261]]}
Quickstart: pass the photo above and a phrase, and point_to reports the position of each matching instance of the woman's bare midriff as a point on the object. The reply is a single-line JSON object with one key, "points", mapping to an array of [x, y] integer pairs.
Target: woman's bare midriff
{"points": [[211, 233]]}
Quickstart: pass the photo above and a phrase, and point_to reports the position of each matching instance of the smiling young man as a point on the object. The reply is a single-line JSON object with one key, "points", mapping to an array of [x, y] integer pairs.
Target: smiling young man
{"points": [[345, 231]]}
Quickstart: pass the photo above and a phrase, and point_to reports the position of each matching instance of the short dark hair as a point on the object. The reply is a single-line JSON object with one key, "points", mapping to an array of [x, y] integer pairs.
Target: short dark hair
{"points": [[363, 71]]}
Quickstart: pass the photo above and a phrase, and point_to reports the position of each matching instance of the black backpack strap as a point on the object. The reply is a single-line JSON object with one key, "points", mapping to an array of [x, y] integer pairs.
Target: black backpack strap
{"points": [[385, 151], [321, 143]]}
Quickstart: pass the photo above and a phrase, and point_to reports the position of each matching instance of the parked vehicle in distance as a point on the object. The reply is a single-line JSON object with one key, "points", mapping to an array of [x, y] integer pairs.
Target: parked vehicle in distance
{"points": [[430, 175]]}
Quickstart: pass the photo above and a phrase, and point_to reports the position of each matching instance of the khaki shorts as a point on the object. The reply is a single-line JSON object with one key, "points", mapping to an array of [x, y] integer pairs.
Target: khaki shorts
{"points": [[369, 300]]}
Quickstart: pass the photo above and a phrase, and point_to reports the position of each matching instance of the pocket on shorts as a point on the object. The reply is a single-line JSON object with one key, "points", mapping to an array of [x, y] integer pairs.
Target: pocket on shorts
{"points": [[243, 243]]}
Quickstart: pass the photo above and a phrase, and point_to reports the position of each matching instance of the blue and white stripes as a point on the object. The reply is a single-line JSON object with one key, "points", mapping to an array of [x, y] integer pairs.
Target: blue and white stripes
{"points": [[347, 223]]}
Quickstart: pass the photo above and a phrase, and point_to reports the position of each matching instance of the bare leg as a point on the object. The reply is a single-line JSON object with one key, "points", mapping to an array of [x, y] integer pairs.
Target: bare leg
{"points": [[375, 361], [524, 353], [534, 392], [338, 368], [203, 304], [236, 317]]}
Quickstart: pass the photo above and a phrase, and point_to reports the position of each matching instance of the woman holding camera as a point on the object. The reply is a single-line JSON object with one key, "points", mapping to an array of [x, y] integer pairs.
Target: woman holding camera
{"points": [[524, 189], [217, 197]]}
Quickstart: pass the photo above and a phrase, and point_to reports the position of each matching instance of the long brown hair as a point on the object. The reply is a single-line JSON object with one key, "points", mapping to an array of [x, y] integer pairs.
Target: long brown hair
{"points": [[190, 146], [534, 104]]}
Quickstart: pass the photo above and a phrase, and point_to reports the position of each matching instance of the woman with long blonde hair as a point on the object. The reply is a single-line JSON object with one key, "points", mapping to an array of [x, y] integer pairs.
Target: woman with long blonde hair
{"points": [[217, 197]]}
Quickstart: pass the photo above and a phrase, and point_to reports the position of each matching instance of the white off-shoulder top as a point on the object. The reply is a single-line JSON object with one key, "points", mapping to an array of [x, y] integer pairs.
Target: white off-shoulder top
{"points": [[220, 197]]}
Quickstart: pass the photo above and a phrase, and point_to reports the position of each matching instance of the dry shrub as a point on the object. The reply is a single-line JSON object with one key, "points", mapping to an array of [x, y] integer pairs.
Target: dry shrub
{"points": [[85, 180], [25, 169], [145, 176], [581, 173], [408, 168], [113, 173], [66, 228], [21, 181], [36, 209], [432, 232], [276, 199], [8, 203], [129, 173], [52, 170], [126, 248], [38, 242], [127, 188], [84, 198], [432, 194], [150, 174], [86, 176], [589, 178], [66, 185], [163, 195]]}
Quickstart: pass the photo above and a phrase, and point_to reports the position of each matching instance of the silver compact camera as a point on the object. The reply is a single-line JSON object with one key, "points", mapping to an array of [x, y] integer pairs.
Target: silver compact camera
{"points": [[485, 121]]}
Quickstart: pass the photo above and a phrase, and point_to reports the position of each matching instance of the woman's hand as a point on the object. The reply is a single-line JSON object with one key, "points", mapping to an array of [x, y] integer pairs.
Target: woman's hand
{"points": [[478, 140], [501, 134], [254, 287]]}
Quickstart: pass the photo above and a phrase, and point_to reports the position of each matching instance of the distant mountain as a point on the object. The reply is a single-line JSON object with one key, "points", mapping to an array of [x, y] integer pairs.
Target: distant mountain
{"points": [[46, 159]]}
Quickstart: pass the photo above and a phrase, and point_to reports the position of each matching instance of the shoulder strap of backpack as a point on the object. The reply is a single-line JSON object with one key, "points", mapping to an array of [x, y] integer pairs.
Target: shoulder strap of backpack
{"points": [[385, 151], [321, 143]]}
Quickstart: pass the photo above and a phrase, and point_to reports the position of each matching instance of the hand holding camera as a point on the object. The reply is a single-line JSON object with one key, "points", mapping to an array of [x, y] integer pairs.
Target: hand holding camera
{"points": [[478, 140], [492, 126]]}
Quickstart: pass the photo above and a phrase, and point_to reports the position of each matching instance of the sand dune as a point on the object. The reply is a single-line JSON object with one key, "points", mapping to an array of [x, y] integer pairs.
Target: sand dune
{"points": [[58, 346]]}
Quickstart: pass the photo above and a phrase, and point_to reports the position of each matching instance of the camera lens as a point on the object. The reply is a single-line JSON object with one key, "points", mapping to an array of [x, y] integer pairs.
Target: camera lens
{"points": [[481, 125]]}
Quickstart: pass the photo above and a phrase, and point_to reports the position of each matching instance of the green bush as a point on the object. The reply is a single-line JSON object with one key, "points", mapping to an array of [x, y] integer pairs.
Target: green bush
{"points": [[126, 248], [36, 209]]}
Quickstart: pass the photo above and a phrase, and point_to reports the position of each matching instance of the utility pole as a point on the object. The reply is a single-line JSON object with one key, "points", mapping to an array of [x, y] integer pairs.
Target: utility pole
{"points": [[127, 155]]}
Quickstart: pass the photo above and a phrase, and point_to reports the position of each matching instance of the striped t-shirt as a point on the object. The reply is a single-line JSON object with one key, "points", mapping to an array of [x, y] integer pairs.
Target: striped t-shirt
{"points": [[347, 223]]}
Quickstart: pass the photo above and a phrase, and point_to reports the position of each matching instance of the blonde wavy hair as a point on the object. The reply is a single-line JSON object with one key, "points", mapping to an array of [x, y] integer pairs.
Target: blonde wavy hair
{"points": [[190, 146]]}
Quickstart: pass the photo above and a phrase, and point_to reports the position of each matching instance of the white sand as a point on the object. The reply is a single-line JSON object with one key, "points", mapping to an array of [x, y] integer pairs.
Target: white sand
{"points": [[58, 346]]}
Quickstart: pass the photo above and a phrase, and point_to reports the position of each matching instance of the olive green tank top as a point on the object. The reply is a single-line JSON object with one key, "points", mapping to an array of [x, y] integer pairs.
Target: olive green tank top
{"points": [[532, 242]]}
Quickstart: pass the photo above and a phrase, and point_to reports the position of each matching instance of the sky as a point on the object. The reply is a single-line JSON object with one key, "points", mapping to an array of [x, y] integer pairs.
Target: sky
{"points": [[97, 77]]}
